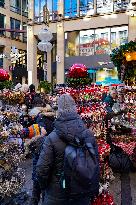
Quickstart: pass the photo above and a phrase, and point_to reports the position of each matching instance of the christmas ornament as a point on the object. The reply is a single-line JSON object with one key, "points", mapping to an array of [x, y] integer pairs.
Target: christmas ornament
{"points": [[4, 75]]}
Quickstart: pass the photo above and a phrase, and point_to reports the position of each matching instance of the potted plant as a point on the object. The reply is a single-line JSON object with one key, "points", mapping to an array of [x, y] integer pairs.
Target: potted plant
{"points": [[45, 86]]}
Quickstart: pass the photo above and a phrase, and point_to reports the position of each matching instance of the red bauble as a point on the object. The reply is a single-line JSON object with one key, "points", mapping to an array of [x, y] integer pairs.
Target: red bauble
{"points": [[4, 75], [78, 71]]}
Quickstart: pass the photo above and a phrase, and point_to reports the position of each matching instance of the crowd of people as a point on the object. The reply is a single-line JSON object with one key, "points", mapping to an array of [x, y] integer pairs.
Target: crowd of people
{"points": [[65, 132]]}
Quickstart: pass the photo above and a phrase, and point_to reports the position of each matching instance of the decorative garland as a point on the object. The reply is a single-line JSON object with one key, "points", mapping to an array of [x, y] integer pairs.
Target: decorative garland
{"points": [[119, 56]]}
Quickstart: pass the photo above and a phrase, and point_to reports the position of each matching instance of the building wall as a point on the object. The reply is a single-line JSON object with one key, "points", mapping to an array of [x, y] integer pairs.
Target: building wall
{"points": [[60, 26], [6, 41]]}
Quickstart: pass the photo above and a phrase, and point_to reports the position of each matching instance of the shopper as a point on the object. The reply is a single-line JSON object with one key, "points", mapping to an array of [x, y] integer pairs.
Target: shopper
{"points": [[111, 99], [35, 148], [46, 117], [45, 120], [69, 131]]}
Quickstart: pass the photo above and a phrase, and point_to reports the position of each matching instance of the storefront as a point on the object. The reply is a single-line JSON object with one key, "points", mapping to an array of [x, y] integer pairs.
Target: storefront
{"points": [[95, 41]]}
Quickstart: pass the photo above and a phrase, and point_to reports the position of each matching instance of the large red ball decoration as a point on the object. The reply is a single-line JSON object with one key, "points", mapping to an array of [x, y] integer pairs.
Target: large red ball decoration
{"points": [[4, 75], [78, 71]]}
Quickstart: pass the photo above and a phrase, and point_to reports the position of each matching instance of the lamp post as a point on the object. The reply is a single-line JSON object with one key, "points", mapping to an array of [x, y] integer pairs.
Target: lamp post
{"points": [[44, 45]]}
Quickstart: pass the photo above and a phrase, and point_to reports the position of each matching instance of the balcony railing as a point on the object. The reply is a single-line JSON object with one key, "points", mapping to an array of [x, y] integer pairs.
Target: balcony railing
{"points": [[14, 34]]}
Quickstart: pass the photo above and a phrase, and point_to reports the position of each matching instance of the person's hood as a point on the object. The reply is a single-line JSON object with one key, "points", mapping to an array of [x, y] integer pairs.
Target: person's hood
{"points": [[69, 127], [34, 111]]}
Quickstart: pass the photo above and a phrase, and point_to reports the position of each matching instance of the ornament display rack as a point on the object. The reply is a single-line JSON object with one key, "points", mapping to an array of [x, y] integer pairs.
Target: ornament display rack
{"points": [[12, 177], [93, 112]]}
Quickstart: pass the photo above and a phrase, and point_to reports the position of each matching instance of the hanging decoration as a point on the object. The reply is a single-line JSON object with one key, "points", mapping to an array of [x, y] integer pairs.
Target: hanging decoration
{"points": [[124, 58]]}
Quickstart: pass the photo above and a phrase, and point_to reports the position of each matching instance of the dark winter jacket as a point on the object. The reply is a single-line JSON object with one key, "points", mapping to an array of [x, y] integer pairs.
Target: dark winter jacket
{"points": [[50, 164], [46, 120], [109, 100], [36, 146]]}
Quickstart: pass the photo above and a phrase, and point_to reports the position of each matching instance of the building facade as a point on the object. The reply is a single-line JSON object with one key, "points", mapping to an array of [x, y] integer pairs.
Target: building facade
{"points": [[85, 31], [13, 38]]}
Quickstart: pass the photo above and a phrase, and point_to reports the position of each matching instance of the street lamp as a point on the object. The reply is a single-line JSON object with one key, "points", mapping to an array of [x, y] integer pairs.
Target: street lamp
{"points": [[45, 36]]}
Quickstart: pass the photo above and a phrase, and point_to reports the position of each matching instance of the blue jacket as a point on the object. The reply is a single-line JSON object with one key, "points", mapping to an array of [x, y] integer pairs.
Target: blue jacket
{"points": [[110, 101], [50, 164]]}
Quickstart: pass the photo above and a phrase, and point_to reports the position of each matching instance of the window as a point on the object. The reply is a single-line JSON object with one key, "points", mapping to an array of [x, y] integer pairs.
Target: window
{"points": [[2, 24], [70, 8], [25, 8], [121, 5], [14, 24], [86, 7], [55, 9], [104, 6], [95, 41], [102, 41], [49, 6], [15, 6], [39, 6], [119, 36], [72, 43], [2, 2], [87, 43]]}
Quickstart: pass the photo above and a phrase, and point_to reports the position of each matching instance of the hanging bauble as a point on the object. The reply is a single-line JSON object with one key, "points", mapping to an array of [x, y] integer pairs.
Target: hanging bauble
{"points": [[4, 75], [78, 71]]}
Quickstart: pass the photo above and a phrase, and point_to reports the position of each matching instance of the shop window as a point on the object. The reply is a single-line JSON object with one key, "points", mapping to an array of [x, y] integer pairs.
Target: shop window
{"points": [[119, 36], [104, 6], [2, 2], [102, 41], [87, 43], [70, 8], [120, 5], [95, 41], [86, 7], [72, 43], [15, 25], [2, 24]]}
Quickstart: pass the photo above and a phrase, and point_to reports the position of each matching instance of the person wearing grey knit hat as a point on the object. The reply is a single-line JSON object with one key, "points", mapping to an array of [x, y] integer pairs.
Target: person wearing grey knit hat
{"points": [[69, 129], [66, 104]]}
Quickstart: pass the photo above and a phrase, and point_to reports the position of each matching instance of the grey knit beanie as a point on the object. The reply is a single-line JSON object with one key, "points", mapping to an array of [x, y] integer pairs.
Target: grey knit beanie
{"points": [[66, 104]]}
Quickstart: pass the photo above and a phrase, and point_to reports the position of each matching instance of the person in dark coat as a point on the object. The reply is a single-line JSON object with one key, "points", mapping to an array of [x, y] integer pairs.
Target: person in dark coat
{"points": [[45, 120], [110, 100], [46, 117], [68, 126]]}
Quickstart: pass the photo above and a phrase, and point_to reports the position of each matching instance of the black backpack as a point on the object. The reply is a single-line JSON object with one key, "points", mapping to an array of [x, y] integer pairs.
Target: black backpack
{"points": [[81, 169]]}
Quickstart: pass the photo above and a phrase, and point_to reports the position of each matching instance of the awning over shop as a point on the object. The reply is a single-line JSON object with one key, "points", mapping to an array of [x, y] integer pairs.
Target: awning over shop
{"points": [[93, 62], [91, 71]]}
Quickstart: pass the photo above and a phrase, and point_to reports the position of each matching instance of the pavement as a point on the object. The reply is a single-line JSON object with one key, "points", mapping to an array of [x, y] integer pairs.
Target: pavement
{"points": [[123, 187]]}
